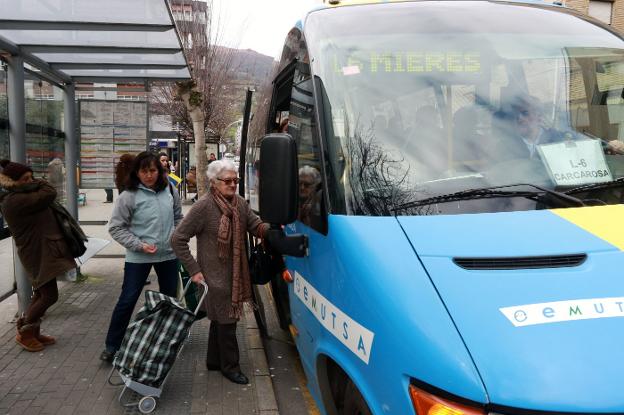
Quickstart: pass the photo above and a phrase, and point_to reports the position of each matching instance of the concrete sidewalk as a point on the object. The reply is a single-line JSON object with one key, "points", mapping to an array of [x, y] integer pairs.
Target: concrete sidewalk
{"points": [[69, 378]]}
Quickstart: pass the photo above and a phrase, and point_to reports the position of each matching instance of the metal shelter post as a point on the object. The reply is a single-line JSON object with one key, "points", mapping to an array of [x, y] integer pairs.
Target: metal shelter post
{"points": [[71, 149], [17, 143], [17, 112]]}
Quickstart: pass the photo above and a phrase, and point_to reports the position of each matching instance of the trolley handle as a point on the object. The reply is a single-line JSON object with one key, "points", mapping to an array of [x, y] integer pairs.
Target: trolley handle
{"points": [[203, 297], [110, 378]]}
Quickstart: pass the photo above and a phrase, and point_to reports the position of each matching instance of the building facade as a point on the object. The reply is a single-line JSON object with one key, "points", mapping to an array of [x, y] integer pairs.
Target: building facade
{"points": [[191, 18], [607, 11]]}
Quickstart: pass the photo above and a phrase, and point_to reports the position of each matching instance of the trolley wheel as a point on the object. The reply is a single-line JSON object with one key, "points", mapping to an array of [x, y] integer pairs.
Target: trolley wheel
{"points": [[147, 404]]}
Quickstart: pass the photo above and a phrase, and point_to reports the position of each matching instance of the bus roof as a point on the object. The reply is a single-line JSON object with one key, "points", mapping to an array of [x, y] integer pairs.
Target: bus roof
{"points": [[330, 4], [338, 3]]}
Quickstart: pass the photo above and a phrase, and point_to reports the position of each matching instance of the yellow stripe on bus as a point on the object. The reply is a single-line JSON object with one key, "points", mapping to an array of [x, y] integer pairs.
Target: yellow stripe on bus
{"points": [[605, 222]]}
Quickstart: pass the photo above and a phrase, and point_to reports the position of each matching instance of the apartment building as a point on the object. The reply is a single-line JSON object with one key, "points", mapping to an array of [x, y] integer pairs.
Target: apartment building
{"points": [[610, 12]]}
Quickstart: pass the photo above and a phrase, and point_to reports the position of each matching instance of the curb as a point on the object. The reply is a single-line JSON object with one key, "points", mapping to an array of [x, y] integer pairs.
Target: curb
{"points": [[265, 394]]}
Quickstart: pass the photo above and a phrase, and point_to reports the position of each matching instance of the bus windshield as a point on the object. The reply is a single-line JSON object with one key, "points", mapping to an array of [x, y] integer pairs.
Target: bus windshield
{"points": [[423, 100]]}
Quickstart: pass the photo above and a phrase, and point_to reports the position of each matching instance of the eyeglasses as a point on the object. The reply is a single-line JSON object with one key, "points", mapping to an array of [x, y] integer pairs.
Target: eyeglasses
{"points": [[229, 182]]}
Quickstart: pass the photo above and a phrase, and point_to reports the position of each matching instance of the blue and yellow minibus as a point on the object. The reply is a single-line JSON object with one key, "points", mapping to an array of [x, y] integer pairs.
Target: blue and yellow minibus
{"points": [[448, 197]]}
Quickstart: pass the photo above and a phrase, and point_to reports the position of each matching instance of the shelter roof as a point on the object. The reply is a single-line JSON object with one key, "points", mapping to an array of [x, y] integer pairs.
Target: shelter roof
{"points": [[94, 40]]}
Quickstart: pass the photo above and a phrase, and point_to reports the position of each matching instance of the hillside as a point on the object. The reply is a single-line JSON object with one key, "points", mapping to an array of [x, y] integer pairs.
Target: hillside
{"points": [[252, 67]]}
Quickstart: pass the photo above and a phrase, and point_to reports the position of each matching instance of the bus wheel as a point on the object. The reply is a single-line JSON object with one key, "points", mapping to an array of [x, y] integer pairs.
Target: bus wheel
{"points": [[354, 403]]}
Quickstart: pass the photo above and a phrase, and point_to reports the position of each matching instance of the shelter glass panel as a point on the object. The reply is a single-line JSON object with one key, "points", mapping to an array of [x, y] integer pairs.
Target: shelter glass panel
{"points": [[109, 129], [4, 133], [45, 136], [4, 114]]}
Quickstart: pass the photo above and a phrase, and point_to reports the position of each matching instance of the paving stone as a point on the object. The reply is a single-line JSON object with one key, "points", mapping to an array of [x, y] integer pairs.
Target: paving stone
{"points": [[9, 400], [259, 362], [43, 398], [255, 341], [74, 398], [264, 394], [52, 406], [20, 406]]}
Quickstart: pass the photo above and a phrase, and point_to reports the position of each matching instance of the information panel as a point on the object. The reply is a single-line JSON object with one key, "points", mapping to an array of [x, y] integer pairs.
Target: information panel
{"points": [[109, 129], [575, 163]]}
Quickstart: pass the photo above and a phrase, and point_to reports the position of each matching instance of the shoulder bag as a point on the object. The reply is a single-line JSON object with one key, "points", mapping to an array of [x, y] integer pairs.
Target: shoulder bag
{"points": [[71, 230], [263, 266]]}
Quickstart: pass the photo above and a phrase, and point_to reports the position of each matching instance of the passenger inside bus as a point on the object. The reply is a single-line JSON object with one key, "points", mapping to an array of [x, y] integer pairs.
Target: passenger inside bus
{"points": [[427, 140], [616, 147], [309, 195], [472, 136], [524, 130]]}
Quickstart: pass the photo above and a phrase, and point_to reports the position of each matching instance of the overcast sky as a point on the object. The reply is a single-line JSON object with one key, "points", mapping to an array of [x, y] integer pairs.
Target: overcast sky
{"points": [[260, 25]]}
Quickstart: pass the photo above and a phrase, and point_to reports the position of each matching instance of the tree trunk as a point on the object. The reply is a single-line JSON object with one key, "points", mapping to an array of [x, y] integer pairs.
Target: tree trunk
{"points": [[201, 159], [192, 99]]}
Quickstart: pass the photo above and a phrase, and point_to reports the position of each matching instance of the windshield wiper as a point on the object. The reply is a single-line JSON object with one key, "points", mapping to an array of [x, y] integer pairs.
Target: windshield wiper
{"points": [[596, 186], [563, 199]]}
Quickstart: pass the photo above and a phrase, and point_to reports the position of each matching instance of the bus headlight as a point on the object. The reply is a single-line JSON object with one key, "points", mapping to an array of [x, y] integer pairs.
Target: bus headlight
{"points": [[428, 404]]}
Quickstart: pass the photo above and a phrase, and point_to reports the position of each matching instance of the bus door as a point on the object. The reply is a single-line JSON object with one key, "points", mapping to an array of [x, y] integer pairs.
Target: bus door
{"points": [[311, 219]]}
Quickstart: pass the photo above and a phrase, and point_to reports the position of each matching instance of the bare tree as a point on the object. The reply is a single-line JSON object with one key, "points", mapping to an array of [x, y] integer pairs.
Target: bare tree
{"points": [[204, 104], [378, 181], [258, 125]]}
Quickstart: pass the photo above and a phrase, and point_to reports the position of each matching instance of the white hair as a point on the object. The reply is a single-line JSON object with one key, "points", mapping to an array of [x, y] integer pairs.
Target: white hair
{"points": [[219, 166], [311, 172]]}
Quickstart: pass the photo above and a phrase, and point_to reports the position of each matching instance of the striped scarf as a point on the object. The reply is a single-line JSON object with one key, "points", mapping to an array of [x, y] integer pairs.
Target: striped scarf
{"points": [[230, 244]]}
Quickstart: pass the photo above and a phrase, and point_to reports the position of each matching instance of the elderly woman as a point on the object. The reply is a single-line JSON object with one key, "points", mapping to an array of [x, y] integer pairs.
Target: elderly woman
{"points": [[220, 220]]}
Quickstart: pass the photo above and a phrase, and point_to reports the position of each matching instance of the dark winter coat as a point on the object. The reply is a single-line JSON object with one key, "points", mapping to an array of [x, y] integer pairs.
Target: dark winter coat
{"points": [[40, 244], [203, 221]]}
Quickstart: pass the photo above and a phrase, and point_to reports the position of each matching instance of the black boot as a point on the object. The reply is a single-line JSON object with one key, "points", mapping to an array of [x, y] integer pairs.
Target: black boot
{"points": [[236, 377], [107, 356]]}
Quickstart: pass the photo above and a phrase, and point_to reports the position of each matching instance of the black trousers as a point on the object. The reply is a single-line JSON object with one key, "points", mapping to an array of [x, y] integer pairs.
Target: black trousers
{"points": [[223, 347]]}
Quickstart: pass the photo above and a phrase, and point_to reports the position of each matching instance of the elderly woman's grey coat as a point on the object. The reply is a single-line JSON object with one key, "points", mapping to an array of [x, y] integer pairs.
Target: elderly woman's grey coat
{"points": [[203, 221]]}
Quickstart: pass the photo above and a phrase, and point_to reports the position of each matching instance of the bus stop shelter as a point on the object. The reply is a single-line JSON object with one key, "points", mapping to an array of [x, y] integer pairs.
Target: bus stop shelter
{"points": [[66, 42]]}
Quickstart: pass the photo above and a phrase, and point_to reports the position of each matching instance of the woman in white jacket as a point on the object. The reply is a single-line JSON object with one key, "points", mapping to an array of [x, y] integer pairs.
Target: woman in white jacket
{"points": [[143, 220]]}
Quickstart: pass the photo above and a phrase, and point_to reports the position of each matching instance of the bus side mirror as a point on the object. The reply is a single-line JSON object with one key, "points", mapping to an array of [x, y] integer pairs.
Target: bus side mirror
{"points": [[279, 193], [279, 179]]}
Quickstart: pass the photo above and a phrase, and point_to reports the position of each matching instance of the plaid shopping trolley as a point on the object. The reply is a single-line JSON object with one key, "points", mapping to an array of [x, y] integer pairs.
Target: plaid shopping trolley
{"points": [[151, 345]]}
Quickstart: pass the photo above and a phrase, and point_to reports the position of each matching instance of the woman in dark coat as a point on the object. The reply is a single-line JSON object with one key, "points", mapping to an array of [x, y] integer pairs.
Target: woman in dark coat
{"points": [[25, 204], [220, 221]]}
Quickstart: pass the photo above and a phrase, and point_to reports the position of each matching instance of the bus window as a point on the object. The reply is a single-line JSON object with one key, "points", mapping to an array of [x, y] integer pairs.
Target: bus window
{"points": [[303, 128]]}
